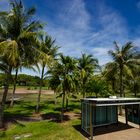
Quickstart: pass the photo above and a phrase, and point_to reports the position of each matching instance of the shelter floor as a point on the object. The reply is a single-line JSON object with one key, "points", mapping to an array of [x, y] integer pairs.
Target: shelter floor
{"points": [[118, 132]]}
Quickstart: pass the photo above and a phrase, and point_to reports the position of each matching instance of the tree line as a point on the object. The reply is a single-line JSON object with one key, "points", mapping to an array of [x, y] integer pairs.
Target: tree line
{"points": [[24, 44]]}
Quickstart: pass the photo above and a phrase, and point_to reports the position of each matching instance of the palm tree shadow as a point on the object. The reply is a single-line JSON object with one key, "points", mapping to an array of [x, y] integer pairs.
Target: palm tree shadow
{"points": [[54, 117], [2, 134], [18, 123]]}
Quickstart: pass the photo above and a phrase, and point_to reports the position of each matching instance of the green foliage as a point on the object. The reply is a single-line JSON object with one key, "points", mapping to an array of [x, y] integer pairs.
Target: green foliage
{"points": [[99, 87], [86, 66], [125, 60], [62, 73]]}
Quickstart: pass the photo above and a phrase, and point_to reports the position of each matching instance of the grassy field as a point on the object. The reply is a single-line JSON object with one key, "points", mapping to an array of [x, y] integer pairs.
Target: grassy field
{"points": [[23, 123]]}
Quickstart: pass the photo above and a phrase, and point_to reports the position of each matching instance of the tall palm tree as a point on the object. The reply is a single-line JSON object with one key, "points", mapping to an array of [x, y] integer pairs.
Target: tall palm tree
{"points": [[17, 37], [64, 69], [24, 36], [49, 52], [86, 66], [124, 59]]}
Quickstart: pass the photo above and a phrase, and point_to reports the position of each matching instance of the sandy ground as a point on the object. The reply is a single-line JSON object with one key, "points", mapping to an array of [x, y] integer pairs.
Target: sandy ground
{"points": [[26, 91]]}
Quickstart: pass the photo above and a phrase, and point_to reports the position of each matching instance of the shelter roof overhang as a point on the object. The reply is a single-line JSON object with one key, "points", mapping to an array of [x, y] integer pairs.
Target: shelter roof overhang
{"points": [[111, 101]]}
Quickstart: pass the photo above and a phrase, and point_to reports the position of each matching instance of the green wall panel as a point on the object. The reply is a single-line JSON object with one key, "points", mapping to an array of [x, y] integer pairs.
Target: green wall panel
{"points": [[101, 115]]}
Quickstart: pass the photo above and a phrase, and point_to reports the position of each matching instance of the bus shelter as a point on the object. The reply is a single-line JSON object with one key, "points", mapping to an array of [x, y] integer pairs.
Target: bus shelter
{"points": [[104, 111]]}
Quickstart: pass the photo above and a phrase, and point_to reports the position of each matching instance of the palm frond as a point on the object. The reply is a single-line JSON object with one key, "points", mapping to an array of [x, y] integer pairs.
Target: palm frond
{"points": [[127, 47], [116, 47]]}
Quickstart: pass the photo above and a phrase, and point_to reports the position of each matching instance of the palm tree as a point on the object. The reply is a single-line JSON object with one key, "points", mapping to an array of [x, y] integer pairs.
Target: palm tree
{"points": [[86, 66], [17, 37], [124, 59], [54, 82], [49, 52], [7, 61], [20, 21], [133, 82], [110, 73], [64, 69]]}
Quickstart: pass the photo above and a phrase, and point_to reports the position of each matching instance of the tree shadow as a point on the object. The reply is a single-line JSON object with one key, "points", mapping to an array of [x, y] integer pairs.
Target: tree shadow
{"points": [[50, 102], [20, 111], [16, 122], [54, 117], [57, 109], [72, 107], [2, 134]]}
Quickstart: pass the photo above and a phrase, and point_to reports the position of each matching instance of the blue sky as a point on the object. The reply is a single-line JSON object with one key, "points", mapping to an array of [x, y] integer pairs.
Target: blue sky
{"points": [[88, 26]]}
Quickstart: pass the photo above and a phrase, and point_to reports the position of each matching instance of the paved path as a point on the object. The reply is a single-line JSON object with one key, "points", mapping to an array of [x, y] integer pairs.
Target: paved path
{"points": [[120, 132]]}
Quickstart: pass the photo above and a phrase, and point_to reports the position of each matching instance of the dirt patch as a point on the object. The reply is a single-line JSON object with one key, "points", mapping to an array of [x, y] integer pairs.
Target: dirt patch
{"points": [[26, 91], [73, 115]]}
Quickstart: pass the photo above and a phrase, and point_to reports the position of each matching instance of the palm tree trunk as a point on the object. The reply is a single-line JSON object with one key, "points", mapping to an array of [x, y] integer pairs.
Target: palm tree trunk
{"points": [[121, 81], [63, 102], [135, 93], [67, 102], [14, 89], [96, 95], [55, 99], [40, 89], [121, 87], [113, 85], [1, 116], [2, 105], [83, 91]]}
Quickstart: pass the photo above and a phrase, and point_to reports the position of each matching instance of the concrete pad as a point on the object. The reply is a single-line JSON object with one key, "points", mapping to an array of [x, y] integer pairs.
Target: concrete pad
{"points": [[118, 132]]}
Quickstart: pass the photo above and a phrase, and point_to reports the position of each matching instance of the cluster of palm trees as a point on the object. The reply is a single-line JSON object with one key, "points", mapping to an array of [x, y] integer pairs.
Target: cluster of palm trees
{"points": [[71, 75], [24, 44]]}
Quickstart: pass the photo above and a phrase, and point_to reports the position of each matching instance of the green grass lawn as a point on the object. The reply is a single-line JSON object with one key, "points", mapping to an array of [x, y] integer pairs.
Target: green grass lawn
{"points": [[46, 128], [43, 130]]}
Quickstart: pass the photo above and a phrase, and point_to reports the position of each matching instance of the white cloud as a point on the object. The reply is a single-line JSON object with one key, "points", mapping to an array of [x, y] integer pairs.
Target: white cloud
{"points": [[100, 51], [76, 30], [75, 15], [77, 34]]}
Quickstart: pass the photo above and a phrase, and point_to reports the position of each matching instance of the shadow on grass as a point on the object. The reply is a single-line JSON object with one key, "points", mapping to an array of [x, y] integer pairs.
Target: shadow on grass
{"points": [[51, 116], [55, 117], [104, 129], [20, 112], [57, 109], [72, 107], [2, 134], [16, 122], [51, 102]]}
